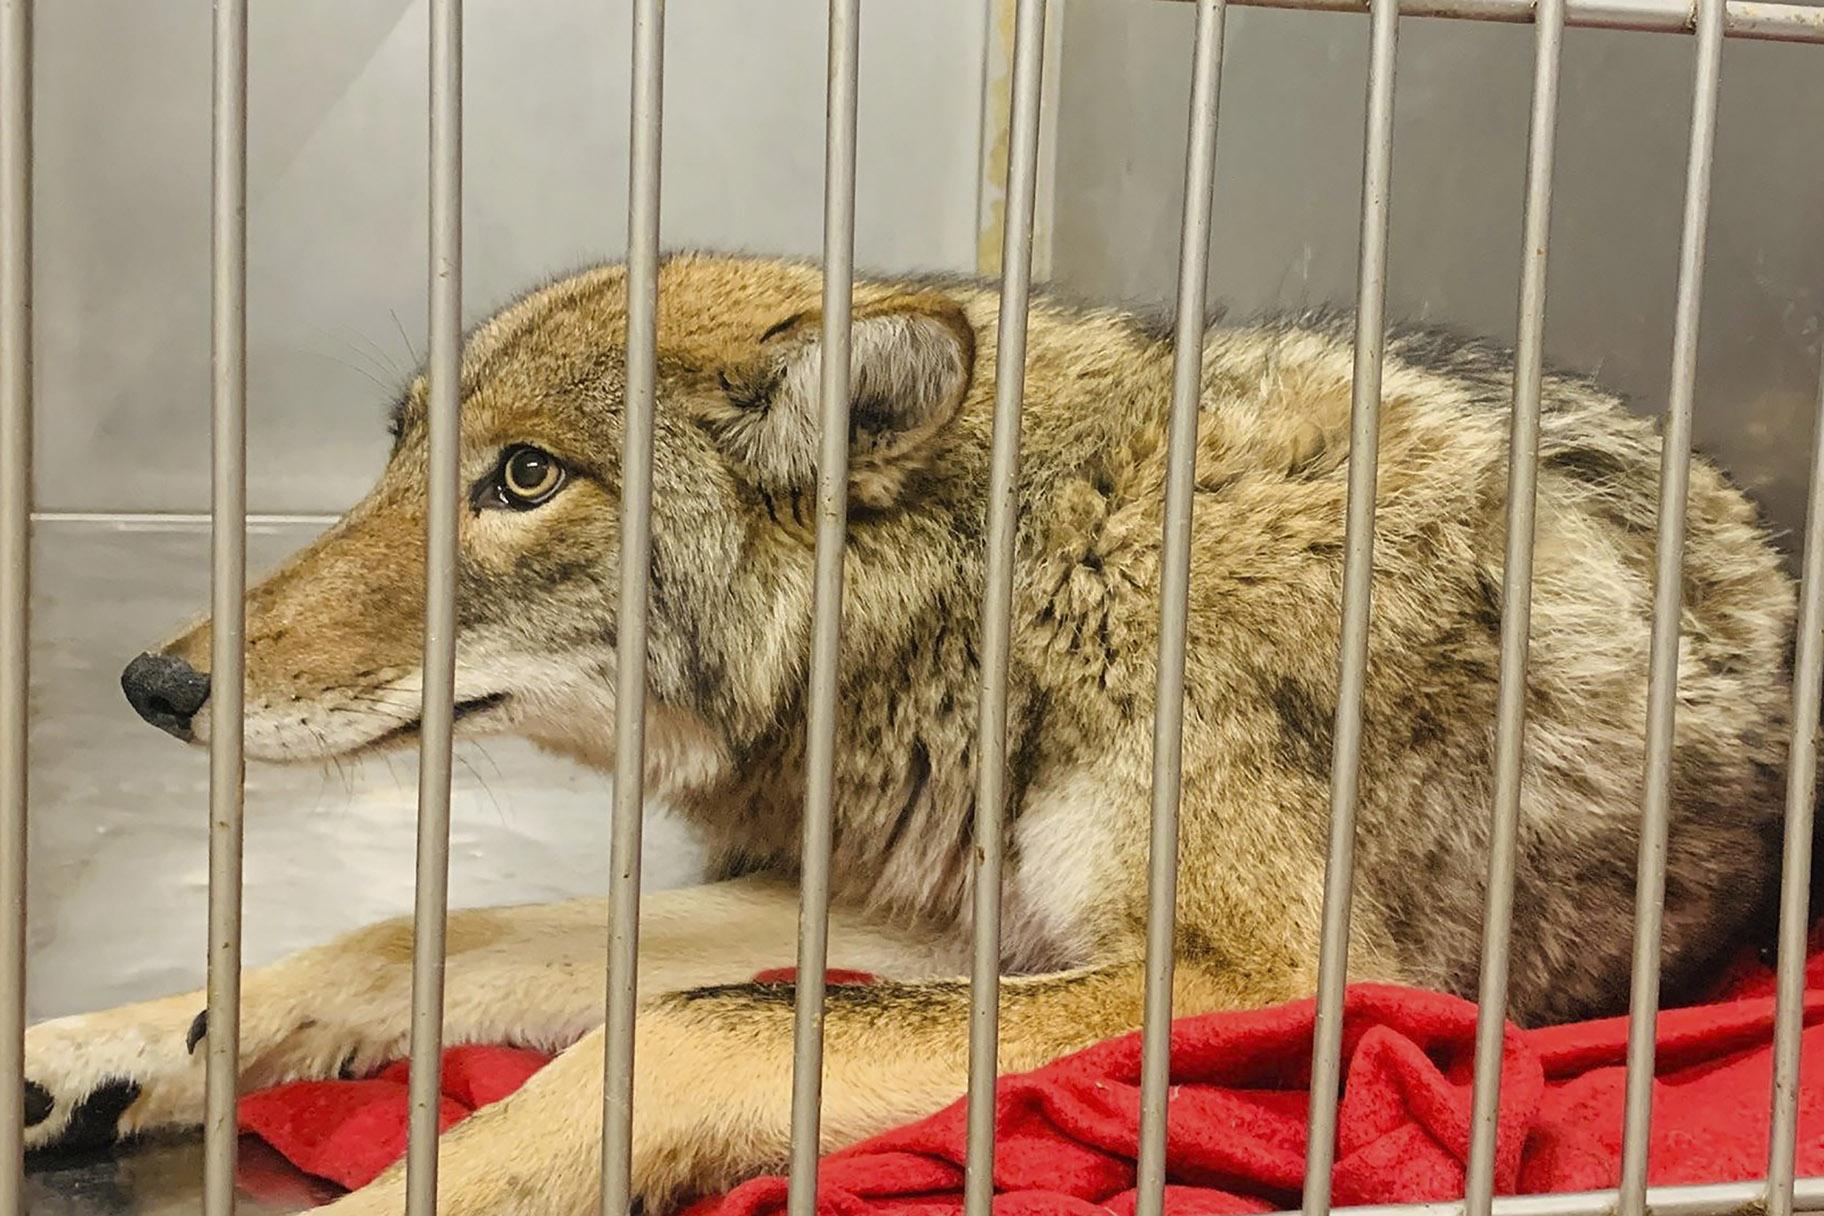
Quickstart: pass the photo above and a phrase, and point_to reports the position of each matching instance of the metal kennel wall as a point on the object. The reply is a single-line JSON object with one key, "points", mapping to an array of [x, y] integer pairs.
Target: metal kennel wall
{"points": [[1711, 21]]}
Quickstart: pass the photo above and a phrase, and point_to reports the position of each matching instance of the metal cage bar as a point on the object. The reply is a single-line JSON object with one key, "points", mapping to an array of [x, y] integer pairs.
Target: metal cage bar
{"points": [[442, 518], [1795, 878], [228, 594], [1749, 19], [826, 612], [997, 597], [1174, 600], [645, 139], [15, 569], [1516, 612], [1662, 676], [1704, 1199], [1358, 573]]}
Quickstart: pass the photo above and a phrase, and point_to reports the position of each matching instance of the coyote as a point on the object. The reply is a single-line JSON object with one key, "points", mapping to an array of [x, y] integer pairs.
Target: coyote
{"points": [[333, 669]]}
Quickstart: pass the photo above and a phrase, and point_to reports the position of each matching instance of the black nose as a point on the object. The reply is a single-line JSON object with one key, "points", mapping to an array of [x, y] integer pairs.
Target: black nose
{"points": [[166, 691]]}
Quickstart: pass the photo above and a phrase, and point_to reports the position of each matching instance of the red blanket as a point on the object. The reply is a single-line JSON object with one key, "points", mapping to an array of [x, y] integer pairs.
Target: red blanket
{"points": [[1066, 1132]]}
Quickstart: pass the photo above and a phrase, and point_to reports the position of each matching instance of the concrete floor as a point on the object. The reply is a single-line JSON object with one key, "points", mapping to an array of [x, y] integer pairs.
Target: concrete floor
{"points": [[119, 844]]}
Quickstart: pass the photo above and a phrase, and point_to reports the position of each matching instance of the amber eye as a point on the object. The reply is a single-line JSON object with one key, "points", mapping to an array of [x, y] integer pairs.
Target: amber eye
{"points": [[529, 476]]}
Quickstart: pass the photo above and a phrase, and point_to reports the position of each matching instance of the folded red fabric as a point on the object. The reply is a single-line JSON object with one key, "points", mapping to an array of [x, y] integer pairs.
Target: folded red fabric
{"points": [[349, 1131], [1067, 1132]]}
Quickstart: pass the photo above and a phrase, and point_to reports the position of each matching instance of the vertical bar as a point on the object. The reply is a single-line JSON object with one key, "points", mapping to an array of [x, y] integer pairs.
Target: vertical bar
{"points": [[1516, 611], [1795, 881], [1662, 675], [444, 369], [1174, 594], [15, 568], [643, 142], [228, 586], [997, 598], [1358, 571], [826, 611], [1675, 459]]}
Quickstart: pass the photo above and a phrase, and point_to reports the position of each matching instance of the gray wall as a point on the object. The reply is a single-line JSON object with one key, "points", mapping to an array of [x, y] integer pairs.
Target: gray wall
{"points": [[337, 194], [1288, 188], [337, 191]]}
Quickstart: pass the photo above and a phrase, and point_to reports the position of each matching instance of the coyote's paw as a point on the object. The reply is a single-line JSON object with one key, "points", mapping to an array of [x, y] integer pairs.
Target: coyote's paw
{"points": [[96, 1078]]}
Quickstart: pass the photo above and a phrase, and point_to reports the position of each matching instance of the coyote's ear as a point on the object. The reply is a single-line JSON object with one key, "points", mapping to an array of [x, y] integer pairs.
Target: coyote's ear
{"points": [[910, 362]]}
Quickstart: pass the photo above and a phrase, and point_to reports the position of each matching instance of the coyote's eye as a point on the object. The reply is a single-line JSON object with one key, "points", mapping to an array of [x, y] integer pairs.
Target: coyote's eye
{"points": [[527, 477]]}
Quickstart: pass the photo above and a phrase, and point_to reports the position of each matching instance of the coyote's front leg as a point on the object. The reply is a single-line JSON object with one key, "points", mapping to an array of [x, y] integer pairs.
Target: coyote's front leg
{"points": [[712, 1100], [530, 976]]}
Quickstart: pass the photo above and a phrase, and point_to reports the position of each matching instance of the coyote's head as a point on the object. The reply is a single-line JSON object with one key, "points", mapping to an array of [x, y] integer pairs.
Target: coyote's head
{"points": [[334, 637]]}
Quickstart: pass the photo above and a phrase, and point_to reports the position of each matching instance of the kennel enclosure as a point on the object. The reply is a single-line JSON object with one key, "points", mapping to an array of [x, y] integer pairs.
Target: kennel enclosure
{"points": [[1710, 23]]}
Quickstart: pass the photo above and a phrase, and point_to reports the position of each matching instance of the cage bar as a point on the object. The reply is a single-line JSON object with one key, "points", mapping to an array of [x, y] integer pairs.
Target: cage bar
{"points": [[1174, 599], [997, 599], [826, 612], [15, 569], [1742, 18], [1703, 1199], [443, 372], [644, 141], [1795, 878], [1358, 572], [1662, 674], [1516, 613], [228, 593]]}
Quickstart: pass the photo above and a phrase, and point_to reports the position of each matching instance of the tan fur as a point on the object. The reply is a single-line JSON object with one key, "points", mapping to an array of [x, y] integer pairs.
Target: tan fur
{"points": [[333, 643]]}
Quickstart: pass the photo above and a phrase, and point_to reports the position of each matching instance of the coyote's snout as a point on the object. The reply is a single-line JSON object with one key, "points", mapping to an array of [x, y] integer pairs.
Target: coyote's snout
{"points": [[333, 645], [334, 641], [334, 637]]}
